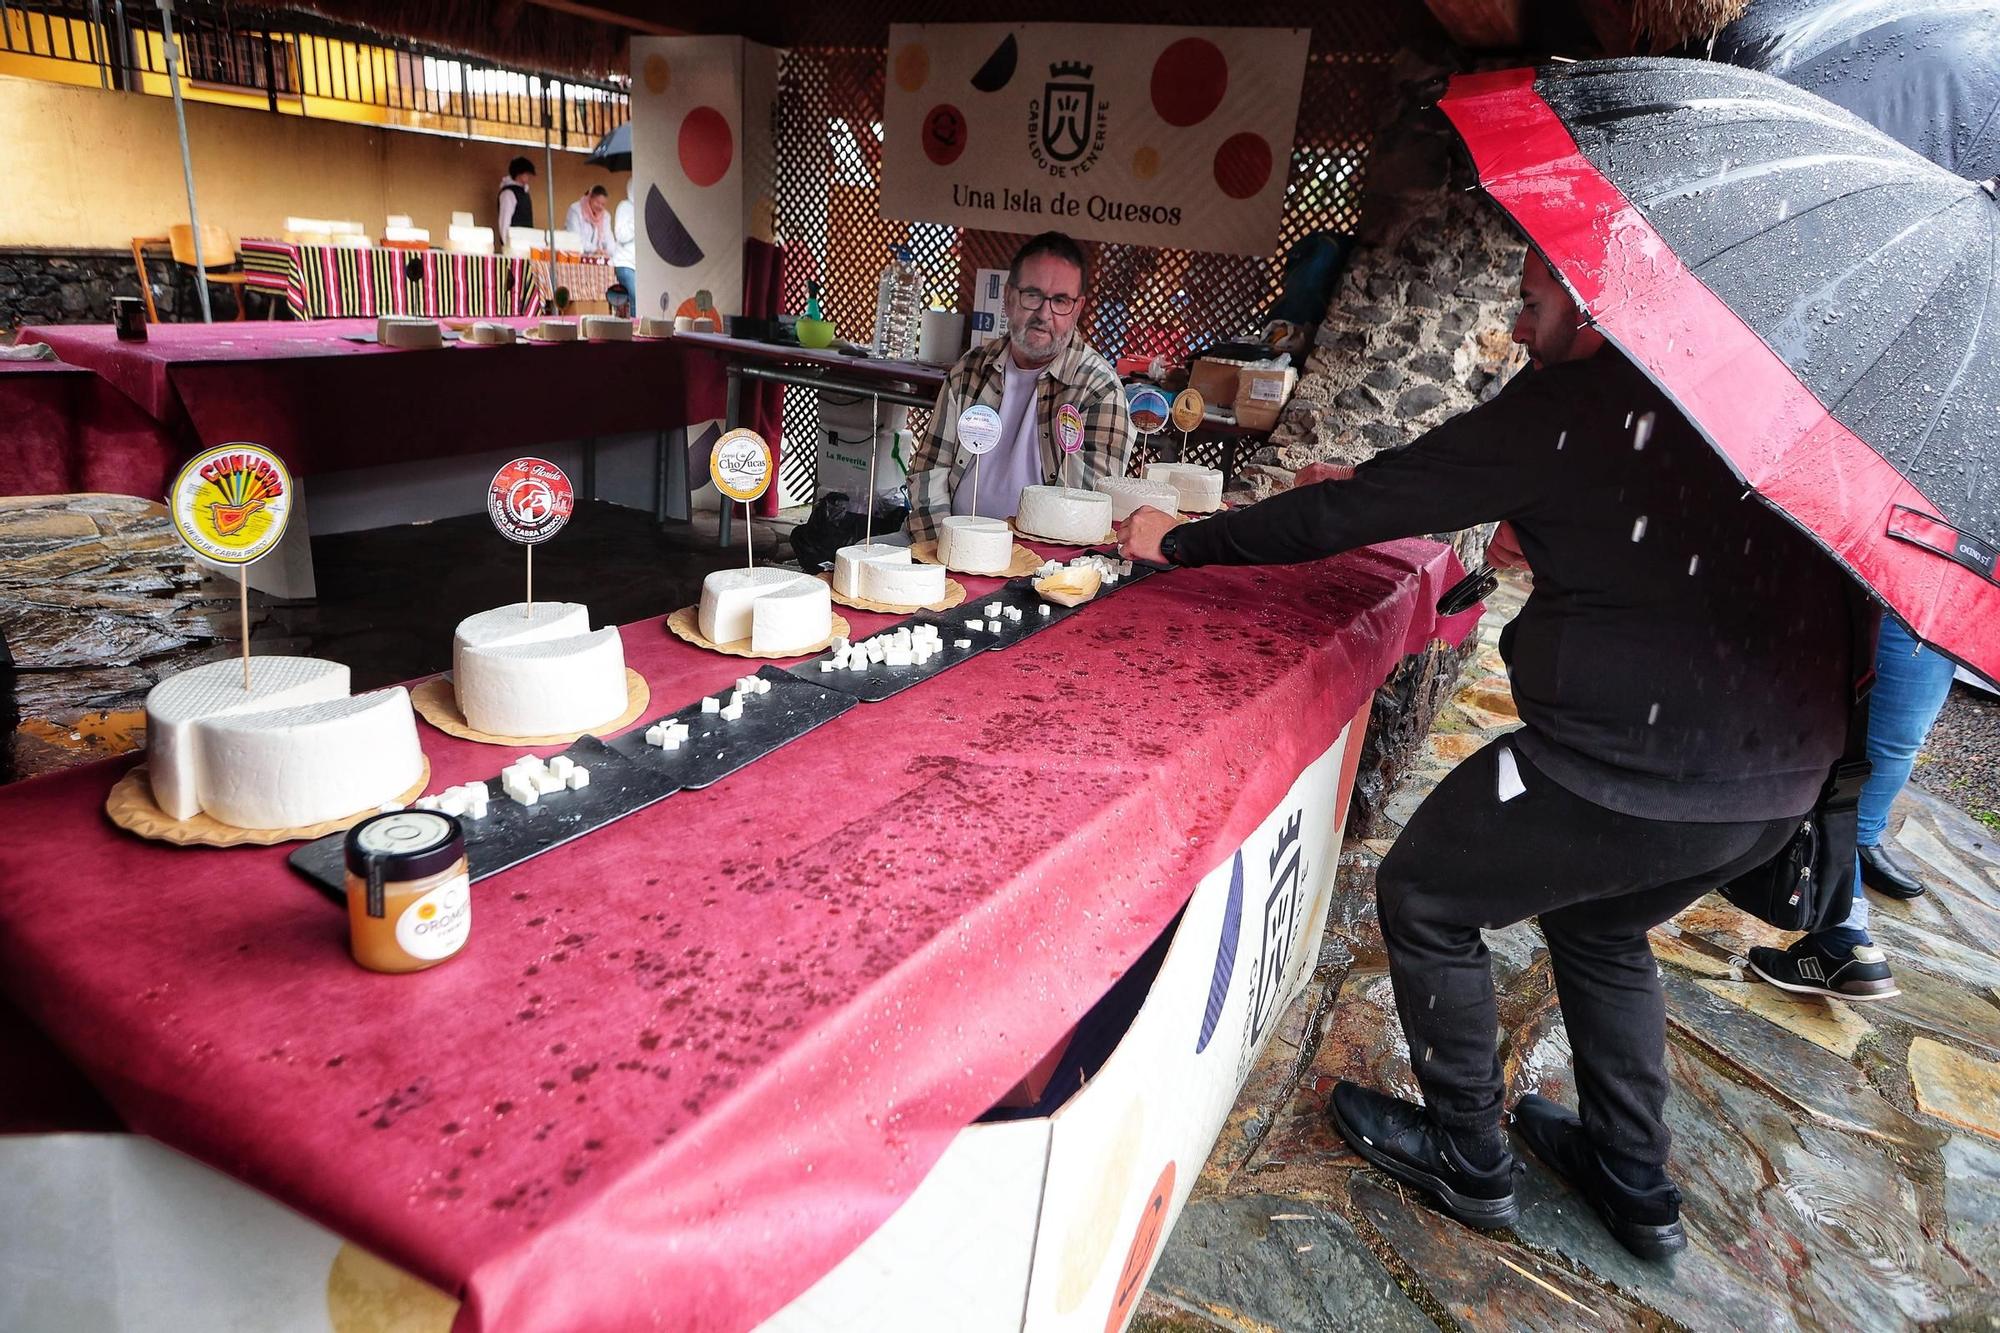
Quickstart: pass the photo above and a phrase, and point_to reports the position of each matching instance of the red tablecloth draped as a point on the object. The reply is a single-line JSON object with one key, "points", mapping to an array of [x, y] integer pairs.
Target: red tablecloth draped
{"points": [[326, 404], [688, 1062], [63, 429]]}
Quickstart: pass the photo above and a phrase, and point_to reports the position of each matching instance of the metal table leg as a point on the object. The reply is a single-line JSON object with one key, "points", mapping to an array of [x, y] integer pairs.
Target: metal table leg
{"points": [[731, 419]]}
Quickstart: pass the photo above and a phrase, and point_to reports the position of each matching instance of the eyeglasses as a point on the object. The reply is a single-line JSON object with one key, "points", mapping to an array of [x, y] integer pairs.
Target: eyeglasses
{"points": [[1033, 298]]}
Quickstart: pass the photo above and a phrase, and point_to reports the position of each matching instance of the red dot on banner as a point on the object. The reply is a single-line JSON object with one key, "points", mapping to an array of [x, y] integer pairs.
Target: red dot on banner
{"points": [[944, 134], [1189, 80], [1242, 165], [706, 145]]}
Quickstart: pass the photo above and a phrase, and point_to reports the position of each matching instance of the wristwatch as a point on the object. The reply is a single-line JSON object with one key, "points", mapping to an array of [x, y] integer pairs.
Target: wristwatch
{"points": [[1170, 545]]}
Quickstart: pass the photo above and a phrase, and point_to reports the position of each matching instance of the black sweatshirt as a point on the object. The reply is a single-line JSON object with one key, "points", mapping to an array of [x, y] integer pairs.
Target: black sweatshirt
{"points": [[1684, 655]]}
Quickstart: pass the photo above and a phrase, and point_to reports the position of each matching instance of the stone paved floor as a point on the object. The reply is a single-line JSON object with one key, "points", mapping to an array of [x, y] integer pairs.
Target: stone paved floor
{"points": [[1841, 1162]]}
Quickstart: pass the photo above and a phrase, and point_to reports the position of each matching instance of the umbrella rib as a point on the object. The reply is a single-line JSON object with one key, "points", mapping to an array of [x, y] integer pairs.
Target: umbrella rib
{"points": [[1832, 199], [1767, 167], [1971, 344]]}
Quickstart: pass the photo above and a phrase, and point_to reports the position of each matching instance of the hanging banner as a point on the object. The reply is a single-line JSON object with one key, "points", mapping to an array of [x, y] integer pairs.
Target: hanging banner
{"points": [[1177, 137]]}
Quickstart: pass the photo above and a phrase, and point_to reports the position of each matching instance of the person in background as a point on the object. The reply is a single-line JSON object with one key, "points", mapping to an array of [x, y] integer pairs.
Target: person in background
{"points": [[517, 203], [590, 218], [1027, 377], [1671, 738], [1843, 961], [624, 256]]}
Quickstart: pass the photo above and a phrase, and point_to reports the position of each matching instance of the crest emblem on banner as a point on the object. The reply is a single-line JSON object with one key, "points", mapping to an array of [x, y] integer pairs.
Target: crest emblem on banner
{"points": [[1066, 127]]}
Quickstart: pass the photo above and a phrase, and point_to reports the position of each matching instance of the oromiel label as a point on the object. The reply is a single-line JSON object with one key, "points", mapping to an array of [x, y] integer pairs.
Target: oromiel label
{"points": [[979, 429], [230, 504], [435, 925], [1188, 408], [1069, 428], [740, 465], [530, 500]]}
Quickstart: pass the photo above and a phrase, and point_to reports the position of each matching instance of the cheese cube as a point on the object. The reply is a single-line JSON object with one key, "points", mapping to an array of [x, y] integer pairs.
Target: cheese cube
{"points": [[1043, 608], [993, 608], [561, 765], [732, 713], [476, 811], [961, 643], [389, 807], [711, 705], [547, 783], [453, 805], [523, 794], [897, 657], [578, 779], [825, 667]]}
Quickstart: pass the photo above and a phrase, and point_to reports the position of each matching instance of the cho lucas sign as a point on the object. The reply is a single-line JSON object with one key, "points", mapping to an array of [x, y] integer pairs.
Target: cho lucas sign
{"points": [[1175, 137]]}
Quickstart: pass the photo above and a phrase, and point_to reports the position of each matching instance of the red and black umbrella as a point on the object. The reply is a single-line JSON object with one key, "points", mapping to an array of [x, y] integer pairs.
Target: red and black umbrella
{"points": [[1822, 303]]}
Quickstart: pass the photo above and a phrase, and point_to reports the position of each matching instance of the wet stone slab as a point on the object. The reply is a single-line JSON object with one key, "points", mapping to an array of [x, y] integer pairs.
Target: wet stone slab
{"points": [[1809, 1079], [1487, 1283], [1263, 1261], [1827, 1024], [1955, 1087], [1972, 1200]]}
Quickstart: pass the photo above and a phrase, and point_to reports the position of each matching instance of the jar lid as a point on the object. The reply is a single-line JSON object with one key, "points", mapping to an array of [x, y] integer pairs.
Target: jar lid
{"points": [[404, 845]]}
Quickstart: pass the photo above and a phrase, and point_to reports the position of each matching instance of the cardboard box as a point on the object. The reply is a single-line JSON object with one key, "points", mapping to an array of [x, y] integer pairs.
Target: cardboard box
{"points": [[1261, 395], [1214, 380]]}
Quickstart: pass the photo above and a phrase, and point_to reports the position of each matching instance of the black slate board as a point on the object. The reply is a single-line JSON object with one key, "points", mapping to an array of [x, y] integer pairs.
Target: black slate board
{"points": [[882, 681], [715, 748], [511, 833]]}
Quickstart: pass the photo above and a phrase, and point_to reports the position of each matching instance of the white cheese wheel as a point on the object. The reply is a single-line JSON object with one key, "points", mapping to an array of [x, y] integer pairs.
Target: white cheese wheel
{"points": [[308, 763], [176, 704], [973, 544], [902, 584], [848, 560], [1062, 514], [404, 331], [606, 328], [728, 596], [517, 622], [542, 687], [1200, 488], [791, 618], [556, 330], [1129, 493]]}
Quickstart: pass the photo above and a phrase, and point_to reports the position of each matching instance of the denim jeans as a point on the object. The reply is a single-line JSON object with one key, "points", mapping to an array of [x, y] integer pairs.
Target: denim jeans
{"points": [[629, 280], [1911, 682]]}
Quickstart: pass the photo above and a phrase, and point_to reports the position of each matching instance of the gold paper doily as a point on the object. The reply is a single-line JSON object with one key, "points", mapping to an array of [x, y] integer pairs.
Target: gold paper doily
{"points": [[1025, 560], [437, 703], [1109, 536], [686, 624], [132, 808], [954, 594]]}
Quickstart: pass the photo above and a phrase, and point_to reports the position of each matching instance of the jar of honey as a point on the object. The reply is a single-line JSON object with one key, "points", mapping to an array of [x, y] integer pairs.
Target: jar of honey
{"points": [[409, 897]]}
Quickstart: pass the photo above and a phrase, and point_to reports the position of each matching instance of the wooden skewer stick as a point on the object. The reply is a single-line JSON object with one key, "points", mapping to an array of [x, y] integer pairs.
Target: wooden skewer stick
{"points": [[243, 615], [528, 610]]}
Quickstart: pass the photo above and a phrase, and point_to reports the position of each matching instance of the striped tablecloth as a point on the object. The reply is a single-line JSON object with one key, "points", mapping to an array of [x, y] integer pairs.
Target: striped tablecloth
{"points": [[334, 282], [586, 279]]}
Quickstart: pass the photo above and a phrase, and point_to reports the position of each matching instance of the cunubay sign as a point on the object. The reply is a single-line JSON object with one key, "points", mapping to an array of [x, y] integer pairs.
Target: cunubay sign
{"points": [[1160, 136]]}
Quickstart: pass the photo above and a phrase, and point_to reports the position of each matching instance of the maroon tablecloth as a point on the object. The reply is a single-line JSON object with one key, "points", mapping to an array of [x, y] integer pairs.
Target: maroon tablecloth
{"points": [[63, 429], [688, 1062], [326, 403]]}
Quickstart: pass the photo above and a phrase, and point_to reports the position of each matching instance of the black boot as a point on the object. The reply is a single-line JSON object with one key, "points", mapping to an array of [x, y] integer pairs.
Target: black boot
{"points": [[1646, 1222], [1885, 874], [1404, 1141]]}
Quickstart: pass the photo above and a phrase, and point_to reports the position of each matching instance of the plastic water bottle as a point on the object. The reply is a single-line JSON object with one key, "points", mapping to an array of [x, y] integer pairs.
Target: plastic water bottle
{"points": [[899, 305]]}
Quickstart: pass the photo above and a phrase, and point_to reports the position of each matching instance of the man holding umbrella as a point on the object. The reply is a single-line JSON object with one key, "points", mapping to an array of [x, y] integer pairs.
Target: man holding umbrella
{"points": [[1682, 669]]}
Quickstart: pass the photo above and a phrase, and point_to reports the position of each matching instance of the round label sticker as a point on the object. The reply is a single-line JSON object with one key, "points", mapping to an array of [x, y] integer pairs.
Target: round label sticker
{"points": [[740, 465], [230, 504], [1188, 408], [1069, 428], [978, 429], [435, 925], [530, 500], [1147, 406]]}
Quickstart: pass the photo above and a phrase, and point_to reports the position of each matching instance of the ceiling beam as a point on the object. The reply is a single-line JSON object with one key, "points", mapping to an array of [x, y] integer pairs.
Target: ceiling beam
{"points": [[599, 14]]}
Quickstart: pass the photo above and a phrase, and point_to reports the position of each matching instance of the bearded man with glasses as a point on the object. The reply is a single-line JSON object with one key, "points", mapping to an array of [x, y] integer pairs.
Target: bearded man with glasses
{"points": [[1028, 377]]}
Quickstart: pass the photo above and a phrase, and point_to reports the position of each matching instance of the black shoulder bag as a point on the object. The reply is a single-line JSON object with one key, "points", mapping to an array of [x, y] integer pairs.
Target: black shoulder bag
{"points": [[1809, 884]]}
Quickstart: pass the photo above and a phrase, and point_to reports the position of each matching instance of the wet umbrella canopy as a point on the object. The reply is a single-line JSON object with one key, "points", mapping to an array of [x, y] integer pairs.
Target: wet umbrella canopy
{"points": [[1925, 72], [1820, 300], [614, 150]]}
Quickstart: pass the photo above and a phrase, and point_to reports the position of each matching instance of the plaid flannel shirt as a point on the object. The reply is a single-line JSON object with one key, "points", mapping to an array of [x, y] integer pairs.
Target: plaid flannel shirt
{"points": [[1077, 375]]}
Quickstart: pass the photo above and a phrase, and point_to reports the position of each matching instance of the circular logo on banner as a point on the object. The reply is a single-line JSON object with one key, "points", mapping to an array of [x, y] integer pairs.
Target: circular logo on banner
{"points": [[978, 429], [1188, 408], [740, 465], [1069, 428], [530, 500], [230, 504], [1147, 406]]}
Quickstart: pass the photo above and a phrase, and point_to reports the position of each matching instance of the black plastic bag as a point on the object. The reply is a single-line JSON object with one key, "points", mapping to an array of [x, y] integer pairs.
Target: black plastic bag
{"points": [[833, 524]]}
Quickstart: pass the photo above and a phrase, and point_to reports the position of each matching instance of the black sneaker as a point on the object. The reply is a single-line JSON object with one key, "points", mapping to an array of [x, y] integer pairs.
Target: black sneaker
{"points": [[1645, 1222], [1402, 1140], [1811, 967]]}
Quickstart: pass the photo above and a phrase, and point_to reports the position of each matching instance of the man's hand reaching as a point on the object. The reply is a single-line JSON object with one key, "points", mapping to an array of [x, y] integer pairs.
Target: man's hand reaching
{"points": [[1139, 535], [1504, 551]]}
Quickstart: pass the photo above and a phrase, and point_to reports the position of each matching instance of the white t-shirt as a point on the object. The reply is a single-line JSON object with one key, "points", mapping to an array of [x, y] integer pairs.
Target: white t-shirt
{"points": [[1016, 461]]}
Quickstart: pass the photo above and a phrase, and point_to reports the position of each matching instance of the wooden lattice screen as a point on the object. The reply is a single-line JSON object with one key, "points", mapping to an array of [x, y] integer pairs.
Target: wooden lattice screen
{"points": [[1145, 301]]}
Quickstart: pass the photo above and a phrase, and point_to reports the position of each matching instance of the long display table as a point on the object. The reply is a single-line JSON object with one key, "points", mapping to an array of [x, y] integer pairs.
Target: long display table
{"points": [[690, 1063], [345, 282]]}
